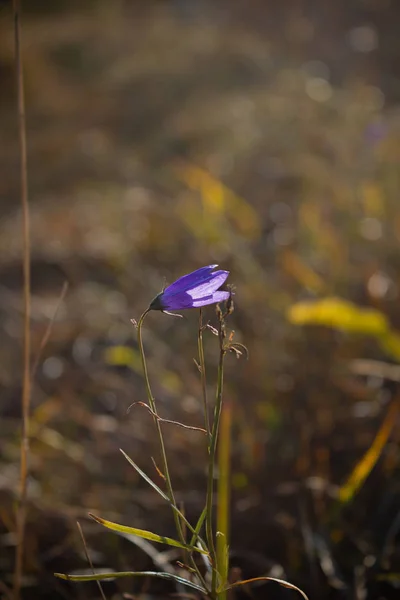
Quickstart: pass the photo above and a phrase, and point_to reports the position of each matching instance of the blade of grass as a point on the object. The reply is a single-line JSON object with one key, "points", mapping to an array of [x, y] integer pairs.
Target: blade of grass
{"points": [[147, 535], [206, 558], [222, 564], [146, 477], [89, 559], [198, 527], [364, 467], [163, 495], [26, 386], [281, 582], [119, 575]]}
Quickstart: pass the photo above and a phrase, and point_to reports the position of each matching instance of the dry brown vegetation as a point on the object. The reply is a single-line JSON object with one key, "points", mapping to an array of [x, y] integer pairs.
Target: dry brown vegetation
{"points": [[163, 136]]}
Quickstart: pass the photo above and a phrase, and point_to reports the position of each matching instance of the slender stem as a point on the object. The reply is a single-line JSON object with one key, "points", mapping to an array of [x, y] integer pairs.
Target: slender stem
{"points": [[153, 407], [223, 495], [152, 403], [211, 462], [26, 391], [202, 364]]}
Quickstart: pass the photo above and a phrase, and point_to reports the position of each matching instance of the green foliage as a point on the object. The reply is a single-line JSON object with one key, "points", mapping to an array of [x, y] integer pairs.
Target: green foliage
{"points": [[119, 575], [310, 207], [147, 535], [217, 548]]}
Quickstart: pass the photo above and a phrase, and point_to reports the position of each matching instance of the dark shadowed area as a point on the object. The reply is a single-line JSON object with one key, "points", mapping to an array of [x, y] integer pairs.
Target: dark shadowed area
{"points": [[164, 136]]}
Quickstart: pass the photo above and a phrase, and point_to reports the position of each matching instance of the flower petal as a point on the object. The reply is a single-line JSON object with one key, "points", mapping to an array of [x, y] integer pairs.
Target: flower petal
{"points": [[204, 289], [193, 290], [184, 301], [177, 302], [213, 299], [187, 281]]}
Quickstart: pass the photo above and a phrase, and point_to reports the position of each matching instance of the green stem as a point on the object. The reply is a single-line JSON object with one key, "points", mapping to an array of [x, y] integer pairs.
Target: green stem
{"points": [[212, 452], [152, 403], [202, 364]]}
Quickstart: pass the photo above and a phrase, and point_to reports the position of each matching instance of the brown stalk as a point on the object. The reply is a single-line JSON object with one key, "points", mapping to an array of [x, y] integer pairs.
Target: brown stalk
{"points": [[26, 386], [161, 420], [89, 559]]}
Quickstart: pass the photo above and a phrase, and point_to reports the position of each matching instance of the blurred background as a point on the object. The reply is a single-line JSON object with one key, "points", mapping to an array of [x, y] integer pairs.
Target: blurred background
{"points": [[164, 136]]}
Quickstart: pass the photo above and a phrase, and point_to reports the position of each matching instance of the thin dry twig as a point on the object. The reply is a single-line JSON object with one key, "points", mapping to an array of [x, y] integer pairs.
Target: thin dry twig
{"points": [[160, 474], [49, 328], [161, 420], [89, 559], [26, 389]]}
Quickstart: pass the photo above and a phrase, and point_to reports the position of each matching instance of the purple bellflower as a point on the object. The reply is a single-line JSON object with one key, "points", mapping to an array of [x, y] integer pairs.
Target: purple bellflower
{"points": [[193, 290]]}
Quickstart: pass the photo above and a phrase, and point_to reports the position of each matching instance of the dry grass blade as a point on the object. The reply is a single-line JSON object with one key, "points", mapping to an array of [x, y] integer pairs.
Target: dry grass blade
{"points": [[367, 462], [26, 386], [148, 535], [281, 582], [49, 327], [89, 559], [376, 368], [122, 574], [146, 477], [159, 472], [196, 530], [160, 559]]}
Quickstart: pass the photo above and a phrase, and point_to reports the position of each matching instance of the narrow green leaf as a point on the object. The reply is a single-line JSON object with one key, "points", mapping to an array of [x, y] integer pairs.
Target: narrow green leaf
{"points": [[367, 462], [145, 477], [118, 575], [195, 531], [147, 535], [281, 582], [223, 563], [198, 527]]}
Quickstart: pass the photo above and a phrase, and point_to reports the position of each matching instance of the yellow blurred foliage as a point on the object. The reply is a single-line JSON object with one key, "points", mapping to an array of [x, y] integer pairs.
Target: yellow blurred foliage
{"points": [[239, 481], [390, 343], [322, 236], [219, 201], [339, 314], [368, 461], [123, 356], [296, 267], [373, 200]]}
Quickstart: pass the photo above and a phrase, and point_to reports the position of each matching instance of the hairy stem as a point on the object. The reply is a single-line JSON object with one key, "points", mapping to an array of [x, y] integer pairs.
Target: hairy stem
{"points": [[152, 403], [202, 364], [211, 462]]}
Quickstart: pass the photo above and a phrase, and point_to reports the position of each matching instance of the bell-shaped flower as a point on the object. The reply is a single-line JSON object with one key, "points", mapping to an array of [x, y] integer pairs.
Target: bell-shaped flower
{"points": [[193, 290]]}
